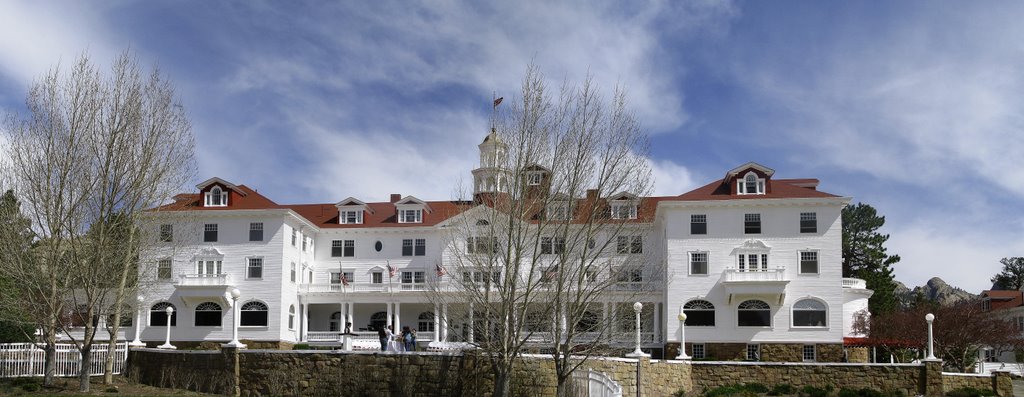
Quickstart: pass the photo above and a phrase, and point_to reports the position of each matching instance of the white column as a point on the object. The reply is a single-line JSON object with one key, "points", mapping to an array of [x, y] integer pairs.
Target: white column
{"points": [[931, 348], [444, 322], [138, 323], [398, 317], [390, 317], [471, 339], [682, 335], [305, 322], [351, 315], [637, 307], [341, 319], [437, 323], [167, 342]]}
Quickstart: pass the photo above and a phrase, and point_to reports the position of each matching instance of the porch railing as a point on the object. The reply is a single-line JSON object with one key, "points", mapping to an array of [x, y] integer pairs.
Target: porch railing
{"points": [[735, 275], [854, 283], [26, 359], [202, 280], [363, 287]]}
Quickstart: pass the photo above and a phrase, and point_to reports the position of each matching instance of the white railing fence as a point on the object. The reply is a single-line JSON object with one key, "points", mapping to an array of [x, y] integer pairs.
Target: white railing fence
{"points": [[25, 359], [590, 383]]}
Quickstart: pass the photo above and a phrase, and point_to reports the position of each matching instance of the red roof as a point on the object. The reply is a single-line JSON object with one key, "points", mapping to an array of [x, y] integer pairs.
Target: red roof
{"points": [[777, 189], [383, 214], [193, 202], [1000, 299]]}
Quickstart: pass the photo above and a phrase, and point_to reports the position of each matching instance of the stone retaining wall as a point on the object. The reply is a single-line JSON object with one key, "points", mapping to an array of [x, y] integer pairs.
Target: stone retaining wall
{"points": [[329, 373]]}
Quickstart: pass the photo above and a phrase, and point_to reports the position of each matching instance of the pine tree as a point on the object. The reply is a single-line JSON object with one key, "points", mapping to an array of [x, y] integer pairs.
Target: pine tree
{"points": [[1012, 275], [865, 257], [15, 239]]}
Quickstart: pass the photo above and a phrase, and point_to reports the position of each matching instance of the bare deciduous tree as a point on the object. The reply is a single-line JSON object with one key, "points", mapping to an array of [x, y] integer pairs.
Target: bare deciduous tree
{"points": [[93, 152], [554, 240]]}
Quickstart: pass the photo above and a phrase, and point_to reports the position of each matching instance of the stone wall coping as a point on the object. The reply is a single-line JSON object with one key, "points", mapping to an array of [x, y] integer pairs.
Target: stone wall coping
{"points": [[169, 351], [591, 358], [355, 352], [966, 374], [791, 364]]}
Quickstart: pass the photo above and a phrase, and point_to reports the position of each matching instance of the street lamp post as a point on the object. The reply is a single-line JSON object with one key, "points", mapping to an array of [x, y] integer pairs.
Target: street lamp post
{"points": [[931, 346], [682, 335], [637, 307], [167, 342], [235, 294], [138, 323]]}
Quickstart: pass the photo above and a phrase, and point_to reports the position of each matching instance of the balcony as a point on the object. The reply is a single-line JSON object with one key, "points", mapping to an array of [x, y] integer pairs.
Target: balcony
{"points": [[854, 283], [362, 287], [203, 280], [769, 283]]}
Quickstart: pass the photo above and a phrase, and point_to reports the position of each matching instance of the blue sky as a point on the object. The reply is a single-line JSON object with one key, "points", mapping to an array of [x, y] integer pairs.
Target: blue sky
{"points": [[912, 107]]}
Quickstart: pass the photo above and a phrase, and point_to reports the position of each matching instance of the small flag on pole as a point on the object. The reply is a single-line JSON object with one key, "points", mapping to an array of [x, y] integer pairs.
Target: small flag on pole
{"points": [[498, 101], [440, 270], [344, 280], [391, 270]]}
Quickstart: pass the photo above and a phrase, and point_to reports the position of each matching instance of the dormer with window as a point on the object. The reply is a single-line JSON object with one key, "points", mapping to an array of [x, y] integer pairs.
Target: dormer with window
{"points": [[216, 192], [624, 205], [559, 208], [351, 211], [750, 179], [411, 210]]}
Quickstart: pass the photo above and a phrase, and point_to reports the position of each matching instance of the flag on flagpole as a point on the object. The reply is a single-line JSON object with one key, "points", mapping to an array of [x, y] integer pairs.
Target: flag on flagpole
{"points": [[440, 270], [344, 280], [498, 101], [391, 270]]}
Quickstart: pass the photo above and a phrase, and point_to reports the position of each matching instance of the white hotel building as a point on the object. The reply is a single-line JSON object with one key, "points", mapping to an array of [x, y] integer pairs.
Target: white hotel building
{"points": [[755, 261]]}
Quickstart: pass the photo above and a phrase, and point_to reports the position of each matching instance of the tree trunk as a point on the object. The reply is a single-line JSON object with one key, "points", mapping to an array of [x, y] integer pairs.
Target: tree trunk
{"points": [[84, 372], [501, 384], [49, 362], [108, 366]]}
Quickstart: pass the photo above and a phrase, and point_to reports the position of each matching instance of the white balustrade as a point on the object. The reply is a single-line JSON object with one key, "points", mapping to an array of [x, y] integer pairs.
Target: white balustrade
{"points": [[735, 275], [203, 280], [854, 283]]}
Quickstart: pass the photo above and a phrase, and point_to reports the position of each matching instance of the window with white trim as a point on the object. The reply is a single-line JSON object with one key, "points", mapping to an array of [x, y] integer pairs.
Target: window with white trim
{"points": [[808, 262], [752, 223], [216, 197], [256, 231], [377, 277], [210, 233], [481, 245], [757, 262], [810, 353], [698, 351], [629, 245], [208, 314], [810, 313], [208, 267], [413, 279], [425, 322], [625, 210], [414, 247], [808, 222], [158, 315], [254, 268], [699, 313], [698, 224], [410, 216], [166, 233], [291, 317], [292, 274], [552, 245], [163, 269], [753, 352], [558, 212], [750, 184], [253, 314], [698, 263], [754, 313], [295, 237], [533, 178], [351, 217]]}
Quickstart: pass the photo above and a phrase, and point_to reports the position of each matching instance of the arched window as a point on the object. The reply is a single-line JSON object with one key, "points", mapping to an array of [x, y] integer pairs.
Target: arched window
{"points": [[291, 317], [754, 313], [158, 315], [750, 184], [216, 197], [254, 314], [482, 222], [810, 313], [699, 313], [335, 322], [208, 314], [378, 320], [426, 322]]}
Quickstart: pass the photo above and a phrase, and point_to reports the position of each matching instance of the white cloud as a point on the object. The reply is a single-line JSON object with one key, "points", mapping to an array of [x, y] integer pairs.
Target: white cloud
{"points": [[671, 179], [962, 258]]}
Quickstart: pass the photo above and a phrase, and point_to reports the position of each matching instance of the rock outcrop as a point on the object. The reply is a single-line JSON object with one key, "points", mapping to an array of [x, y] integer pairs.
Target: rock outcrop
{"points": [[935, 290]]}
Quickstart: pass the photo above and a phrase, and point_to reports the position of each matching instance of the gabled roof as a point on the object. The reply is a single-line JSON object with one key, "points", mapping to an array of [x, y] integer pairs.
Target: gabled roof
{"points": [[749, 165], [215, 180], [247, 199], [781, 189], [621, 196], [1000, 299], [352, 201], [413, 200], [380, 214]]}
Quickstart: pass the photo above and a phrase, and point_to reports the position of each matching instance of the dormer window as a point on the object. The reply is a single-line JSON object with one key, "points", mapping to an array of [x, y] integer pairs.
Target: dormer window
{"points": [[216, 197], [353, 217], [558, 212], [410, 216], [533, 178], [750, 184], [624, 210]]}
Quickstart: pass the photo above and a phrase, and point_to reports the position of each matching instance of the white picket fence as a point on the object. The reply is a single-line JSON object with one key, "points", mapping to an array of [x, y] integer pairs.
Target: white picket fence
{"points": [[25, 359], [591, 383]]}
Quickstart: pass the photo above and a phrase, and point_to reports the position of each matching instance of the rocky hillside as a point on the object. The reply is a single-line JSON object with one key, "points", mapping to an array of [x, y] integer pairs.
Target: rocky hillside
{"points": [[934, 290]]}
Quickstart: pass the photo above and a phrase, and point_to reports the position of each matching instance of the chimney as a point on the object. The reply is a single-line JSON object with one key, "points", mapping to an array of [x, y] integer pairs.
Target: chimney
{"points": [[395, 197], [592, 195]]}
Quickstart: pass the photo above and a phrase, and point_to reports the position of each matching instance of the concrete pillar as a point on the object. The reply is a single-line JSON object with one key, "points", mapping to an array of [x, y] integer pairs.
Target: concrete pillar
{"points": [[932, 379], [1002, 383], [444, 322], [398, 317], [304, 336], [350, 319], [437, 323], [657, 322], [390, 316], [231, 359], [471, 339]]}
